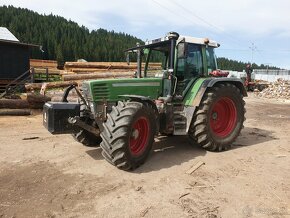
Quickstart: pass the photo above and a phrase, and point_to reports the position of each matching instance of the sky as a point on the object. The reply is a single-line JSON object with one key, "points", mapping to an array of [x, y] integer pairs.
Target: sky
{"points": [[248, 30]]}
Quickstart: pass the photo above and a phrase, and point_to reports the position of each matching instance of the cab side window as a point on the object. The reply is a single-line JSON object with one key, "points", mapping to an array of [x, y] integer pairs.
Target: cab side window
{"points": [[211, 60]]}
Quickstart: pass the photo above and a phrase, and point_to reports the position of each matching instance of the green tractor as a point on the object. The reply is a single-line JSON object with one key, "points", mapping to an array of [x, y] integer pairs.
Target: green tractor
{"points": [[124, 115]]}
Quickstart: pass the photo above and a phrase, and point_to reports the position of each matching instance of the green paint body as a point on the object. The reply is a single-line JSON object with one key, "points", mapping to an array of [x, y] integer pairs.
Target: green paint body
{"points": [[111, 89], [192, 92]]}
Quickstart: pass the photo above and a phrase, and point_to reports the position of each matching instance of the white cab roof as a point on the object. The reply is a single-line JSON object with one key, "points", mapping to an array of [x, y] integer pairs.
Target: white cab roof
{"points": [[189, 39], [200, 41]]}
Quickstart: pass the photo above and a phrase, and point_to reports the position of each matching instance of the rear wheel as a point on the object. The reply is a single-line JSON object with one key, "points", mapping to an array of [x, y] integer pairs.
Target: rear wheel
{"points": [[128, 134], [219, 119]]}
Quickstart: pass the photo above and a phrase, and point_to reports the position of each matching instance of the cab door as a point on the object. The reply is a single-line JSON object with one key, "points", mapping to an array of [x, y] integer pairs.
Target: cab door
{"points": [[189, 65]]}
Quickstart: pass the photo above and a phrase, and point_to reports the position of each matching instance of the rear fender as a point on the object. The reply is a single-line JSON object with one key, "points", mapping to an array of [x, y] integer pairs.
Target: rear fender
{"points": [[194, 95]]}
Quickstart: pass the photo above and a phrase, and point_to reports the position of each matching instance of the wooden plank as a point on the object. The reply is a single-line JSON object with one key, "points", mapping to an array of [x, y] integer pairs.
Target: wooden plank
{"points": [[43, 63], [51, 71], [195, 167]]}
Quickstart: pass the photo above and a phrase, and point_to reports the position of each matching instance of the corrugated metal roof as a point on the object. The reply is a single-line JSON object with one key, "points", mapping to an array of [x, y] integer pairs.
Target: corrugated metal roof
{"points": [[5, 34]]}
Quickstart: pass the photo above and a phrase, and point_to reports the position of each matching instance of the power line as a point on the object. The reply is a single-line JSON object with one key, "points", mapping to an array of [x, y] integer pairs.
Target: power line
{"points": [[229, 36], [198, 17]]}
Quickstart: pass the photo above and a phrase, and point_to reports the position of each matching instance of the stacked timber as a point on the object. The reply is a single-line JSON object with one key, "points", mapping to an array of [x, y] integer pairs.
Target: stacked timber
{"points": [[41, 66], [279, 89], [43, 63], [76, 72], [99, 70]]}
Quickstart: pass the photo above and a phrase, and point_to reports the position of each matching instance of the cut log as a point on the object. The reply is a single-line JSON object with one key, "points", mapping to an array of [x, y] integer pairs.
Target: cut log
{"points": [[96, 76], [20, 104], [104, 65], [15, 112], [14, 103], [96, 70], [36, 86], [32, 98]]}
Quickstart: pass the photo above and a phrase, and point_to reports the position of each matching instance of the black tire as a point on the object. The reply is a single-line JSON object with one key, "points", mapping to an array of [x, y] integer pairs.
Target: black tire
{"points": [[218, 120], [86, 138], [124, 145]]}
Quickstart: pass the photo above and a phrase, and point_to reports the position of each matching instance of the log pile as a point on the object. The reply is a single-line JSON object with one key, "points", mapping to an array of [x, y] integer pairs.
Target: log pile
{"points": [[100, 75], [37, 63], [40, 66], [100, 70], [76, 72], [105, 66], [279, 89]]}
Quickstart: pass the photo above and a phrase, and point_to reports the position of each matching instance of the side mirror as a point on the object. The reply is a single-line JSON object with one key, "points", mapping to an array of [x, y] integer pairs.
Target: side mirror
{"points": [[182, 50]]}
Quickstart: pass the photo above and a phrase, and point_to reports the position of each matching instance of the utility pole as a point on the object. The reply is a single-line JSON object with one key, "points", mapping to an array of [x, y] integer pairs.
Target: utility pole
{"points": [[253, 48]]}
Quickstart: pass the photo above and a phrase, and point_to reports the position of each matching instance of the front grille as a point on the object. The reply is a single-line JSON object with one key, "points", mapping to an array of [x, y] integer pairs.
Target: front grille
{"points": [[100, 91]]}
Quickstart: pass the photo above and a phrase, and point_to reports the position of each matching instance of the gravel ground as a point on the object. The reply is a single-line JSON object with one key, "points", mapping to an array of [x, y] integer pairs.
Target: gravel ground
{"points": [[42, 175]]}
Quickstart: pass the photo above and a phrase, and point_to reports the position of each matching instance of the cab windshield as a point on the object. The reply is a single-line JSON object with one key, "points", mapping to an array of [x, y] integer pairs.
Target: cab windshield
{"points": [[155, 61]]}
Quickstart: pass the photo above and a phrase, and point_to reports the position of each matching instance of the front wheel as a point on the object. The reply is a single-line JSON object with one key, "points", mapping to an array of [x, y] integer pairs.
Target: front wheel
{"points": [[86, 138], [128, 134], [219, 119]]}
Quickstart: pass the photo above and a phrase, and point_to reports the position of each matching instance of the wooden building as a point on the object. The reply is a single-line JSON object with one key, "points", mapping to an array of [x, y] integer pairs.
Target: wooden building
{"points": [[14, 56]]}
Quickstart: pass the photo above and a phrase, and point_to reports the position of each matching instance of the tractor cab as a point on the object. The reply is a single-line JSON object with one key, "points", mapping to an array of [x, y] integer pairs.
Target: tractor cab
{"points": [[184, 59]]}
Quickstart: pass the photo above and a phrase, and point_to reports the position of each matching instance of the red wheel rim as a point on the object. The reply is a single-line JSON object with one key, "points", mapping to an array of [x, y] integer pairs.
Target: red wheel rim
{"points": [[223, 117], [139, 136]]}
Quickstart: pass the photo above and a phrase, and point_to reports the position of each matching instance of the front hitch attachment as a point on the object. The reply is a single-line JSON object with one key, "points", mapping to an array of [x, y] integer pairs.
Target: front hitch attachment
{"points": [[76, 121], [67, 91]]}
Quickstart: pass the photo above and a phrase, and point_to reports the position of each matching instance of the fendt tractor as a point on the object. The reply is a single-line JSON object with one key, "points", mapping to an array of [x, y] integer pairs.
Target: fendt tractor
{"points": [[124, 115]]}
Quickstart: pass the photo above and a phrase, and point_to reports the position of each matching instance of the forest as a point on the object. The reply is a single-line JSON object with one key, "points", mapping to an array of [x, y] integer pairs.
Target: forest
{"points": [[64, 40]]}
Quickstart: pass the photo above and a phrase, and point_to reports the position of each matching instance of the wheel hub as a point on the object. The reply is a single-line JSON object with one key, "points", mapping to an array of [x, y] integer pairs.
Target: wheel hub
{"points": [[139, 136], [135, 134], [214, 115], [223, 117]]}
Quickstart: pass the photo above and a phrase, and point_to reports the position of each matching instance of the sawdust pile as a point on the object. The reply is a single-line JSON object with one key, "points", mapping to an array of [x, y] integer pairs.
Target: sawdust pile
{"points": [[279, 89]]}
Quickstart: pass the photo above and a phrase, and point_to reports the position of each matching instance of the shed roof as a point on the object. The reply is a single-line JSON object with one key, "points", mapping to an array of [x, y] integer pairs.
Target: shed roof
{"points": [[8, 38], [5, 34]]}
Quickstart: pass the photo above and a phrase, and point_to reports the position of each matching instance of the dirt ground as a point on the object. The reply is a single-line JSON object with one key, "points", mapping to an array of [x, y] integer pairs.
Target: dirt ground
{"points": [[54, 176]]}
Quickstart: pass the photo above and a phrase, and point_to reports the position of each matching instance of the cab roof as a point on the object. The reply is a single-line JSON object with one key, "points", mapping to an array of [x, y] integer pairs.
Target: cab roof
{"points": [[165, 40], [189, 39]]}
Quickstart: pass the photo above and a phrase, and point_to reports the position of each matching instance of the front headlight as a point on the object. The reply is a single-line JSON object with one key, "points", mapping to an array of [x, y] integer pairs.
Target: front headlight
{"points": [[92, 107]]}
